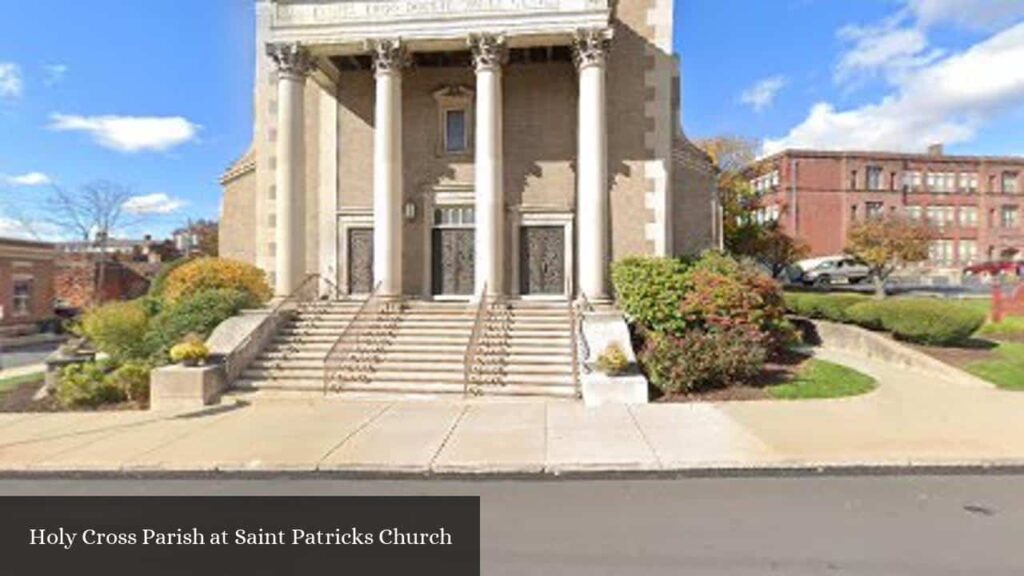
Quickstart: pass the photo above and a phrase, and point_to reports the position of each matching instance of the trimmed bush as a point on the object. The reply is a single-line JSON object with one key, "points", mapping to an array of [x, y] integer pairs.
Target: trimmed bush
{"points": [[159, 282], [86, 385], [869, 314], [198, 314], [834, 307], [133, 379], [117, 328], [931, 322], [723, 292], [650, 290], [700, 360], [204, 274]]}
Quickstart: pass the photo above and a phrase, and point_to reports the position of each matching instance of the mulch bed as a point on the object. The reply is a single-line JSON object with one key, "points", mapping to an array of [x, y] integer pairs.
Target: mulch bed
{"points": [[22, 399], [776, 371], [975, 351]]}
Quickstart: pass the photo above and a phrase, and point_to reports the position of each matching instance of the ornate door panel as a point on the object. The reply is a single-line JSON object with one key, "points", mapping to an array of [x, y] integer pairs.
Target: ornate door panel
{"points": [[360, 260], [454, 263], [542, 260]]}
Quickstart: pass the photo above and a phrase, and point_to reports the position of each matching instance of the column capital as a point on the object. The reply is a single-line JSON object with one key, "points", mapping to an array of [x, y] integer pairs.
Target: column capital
{"points": [[388, 55], [489, 50], [292, 59], [590, 46]]}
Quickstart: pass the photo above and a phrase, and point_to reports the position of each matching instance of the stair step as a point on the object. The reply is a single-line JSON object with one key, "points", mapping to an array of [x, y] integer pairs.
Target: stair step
{"points": [[387, 364], [317, 386]]}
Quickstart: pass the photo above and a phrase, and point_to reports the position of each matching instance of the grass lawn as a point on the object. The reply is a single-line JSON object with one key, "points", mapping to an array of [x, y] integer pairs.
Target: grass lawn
{"points": [[820, 379], [1006, 370], [8, 384]]}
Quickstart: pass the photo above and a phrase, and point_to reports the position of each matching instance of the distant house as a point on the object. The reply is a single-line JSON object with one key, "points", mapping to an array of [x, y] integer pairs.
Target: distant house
{"points": [[26, 284], [127, 269]]}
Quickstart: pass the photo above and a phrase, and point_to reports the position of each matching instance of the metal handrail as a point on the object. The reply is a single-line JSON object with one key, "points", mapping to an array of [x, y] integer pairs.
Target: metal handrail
{"points": [[332, 362], [233, 362], [473, 346], [580, 349]]}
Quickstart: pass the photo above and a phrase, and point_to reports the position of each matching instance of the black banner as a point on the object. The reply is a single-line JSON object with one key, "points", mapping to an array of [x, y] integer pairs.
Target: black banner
{"points": [[239, 535]]}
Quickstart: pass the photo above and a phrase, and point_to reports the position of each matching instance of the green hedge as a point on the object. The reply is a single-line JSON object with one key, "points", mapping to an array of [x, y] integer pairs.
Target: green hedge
{"points": [[920, 320], [650, 290], [870, 314], [198, 314], [834, 307], [931, 322]]}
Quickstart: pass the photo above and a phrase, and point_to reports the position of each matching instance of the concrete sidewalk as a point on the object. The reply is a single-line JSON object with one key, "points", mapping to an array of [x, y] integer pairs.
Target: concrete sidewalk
{"points": [[913, 419]]}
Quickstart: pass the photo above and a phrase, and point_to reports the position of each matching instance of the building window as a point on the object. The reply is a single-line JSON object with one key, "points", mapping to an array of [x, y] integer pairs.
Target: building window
{"points": [[874, 176], [968, 251], [22, 297], [941, 252], [969, 181], [914, 212], [874, 209], [455, 132], [912, 180], [969, 216], [940, 216], [1010, 182], [454, 216], [853, 180], [455, 120], [1009, 217]]}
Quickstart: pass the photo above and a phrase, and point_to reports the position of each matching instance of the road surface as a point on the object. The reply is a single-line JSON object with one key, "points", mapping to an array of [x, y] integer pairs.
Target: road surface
{"points": [[862, 525]]}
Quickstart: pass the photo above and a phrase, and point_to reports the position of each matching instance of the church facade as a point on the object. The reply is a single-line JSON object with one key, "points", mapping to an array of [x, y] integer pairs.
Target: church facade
{"points": [[441, 149]]}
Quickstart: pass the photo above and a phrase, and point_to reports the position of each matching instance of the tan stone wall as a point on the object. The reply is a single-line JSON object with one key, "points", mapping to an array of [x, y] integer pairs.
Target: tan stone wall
{"points": [[628, 123], [693, 192], [238, 219]]}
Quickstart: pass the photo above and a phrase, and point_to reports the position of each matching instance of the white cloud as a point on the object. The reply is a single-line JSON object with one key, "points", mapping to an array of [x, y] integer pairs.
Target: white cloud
{"points": [[129, 133], [54, 73], [889, 48], [11, 83], [152, 204], [979, 14], [28, 179], [762, 95], [947, 101], [28, 229]]}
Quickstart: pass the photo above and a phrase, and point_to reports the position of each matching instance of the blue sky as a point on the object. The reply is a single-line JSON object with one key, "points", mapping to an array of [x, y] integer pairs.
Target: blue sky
{"points": [[156, 94]]}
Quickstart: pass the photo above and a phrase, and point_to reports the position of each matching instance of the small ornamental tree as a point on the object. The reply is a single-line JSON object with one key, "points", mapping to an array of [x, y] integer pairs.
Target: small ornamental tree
{"points": [[769, 246], [888, 243]]}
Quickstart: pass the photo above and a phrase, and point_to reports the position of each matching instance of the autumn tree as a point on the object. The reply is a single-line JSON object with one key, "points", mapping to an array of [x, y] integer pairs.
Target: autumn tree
{"points": [[886, 244]]}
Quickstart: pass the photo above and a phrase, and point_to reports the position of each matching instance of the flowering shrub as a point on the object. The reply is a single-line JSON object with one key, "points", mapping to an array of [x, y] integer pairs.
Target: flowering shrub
{"points": [[87, 385], [117, 328], [700, 360], [725, 293], [205, 274], [190, 351], [613, 360]]}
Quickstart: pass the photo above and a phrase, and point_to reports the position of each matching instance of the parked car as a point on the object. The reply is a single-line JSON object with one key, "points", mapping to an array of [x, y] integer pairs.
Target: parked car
{"points": [[831, 270], [993, 269]]}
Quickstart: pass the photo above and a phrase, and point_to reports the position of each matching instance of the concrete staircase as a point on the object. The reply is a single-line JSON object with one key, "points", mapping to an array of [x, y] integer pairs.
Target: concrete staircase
{"points": [[421, 347]]}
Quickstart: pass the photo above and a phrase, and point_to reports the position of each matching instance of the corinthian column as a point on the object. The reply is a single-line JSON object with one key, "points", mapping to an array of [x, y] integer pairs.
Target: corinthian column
{"points": [[488, 53], [293, 67], [590, 48], [388, 61]]}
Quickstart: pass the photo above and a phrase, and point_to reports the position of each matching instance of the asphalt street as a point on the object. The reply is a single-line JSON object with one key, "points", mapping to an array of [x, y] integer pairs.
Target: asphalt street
{"points": [[877, 525], [25, 355]]}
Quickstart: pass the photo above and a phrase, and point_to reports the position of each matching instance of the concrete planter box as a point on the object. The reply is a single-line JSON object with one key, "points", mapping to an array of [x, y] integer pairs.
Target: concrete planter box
{"points": [[601, 329], [186, 388]]}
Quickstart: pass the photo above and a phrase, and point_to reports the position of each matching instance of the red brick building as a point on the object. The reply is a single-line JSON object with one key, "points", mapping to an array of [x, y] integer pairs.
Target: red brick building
{"points": [[974, 202], [26, 284]]}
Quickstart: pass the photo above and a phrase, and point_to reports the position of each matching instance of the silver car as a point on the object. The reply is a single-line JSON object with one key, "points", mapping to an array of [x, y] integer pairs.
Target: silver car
{"points": [[832, 270]]}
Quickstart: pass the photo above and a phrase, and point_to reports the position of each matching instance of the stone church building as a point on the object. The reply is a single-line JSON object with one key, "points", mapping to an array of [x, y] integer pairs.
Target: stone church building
{"points": [[438, 149]]}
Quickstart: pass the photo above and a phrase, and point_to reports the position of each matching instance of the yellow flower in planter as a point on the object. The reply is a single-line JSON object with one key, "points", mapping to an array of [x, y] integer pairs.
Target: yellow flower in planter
{"points": [[190, 352], [613, 360]]}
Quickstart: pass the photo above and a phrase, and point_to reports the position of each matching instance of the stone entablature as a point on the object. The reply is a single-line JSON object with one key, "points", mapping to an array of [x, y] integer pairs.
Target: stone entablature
{"points": [[342, 26]]}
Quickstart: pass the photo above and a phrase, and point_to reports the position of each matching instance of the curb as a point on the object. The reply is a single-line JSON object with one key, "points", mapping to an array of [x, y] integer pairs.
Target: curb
{"points": [[844, 338]]}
